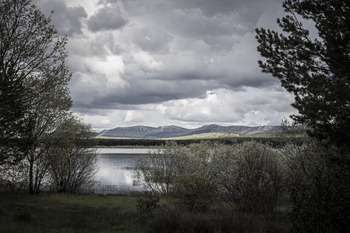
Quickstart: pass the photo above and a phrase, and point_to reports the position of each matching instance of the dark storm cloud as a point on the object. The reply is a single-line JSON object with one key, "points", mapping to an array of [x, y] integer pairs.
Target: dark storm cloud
{"points": [[215, 79], [150, 91], [151, 39], [140, 92], [183, 60], [211, 7], [107, 18], [67, 20], [180, 20]]}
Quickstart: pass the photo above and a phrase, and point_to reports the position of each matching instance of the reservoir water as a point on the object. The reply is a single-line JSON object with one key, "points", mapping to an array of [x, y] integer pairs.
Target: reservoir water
{"points": [[115, 170]]}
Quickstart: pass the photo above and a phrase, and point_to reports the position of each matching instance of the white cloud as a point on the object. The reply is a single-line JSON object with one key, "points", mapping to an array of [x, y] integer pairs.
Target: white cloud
{"points": [[111, 68], [147, 62], [221, 106]]}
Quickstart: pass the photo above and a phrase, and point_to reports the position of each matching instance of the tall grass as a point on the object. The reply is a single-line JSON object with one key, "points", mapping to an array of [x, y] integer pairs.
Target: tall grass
{"points": [[20, 212], [167, 219], [67, 213]]}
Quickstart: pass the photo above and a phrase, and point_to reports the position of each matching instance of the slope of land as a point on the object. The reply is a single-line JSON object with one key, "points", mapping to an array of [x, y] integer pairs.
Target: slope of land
{"points": [[146, 132]]}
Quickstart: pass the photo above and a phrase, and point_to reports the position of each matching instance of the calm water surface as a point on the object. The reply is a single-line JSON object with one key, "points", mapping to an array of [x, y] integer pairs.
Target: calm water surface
{"points": [[115, 174]]}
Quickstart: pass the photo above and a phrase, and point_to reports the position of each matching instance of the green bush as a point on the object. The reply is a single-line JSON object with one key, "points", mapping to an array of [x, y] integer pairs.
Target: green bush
{"points": [[250, 176], [157, 170]]}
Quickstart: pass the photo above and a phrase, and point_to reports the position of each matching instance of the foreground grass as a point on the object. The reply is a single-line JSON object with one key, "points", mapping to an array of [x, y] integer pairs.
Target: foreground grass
{"points": [[67, 213], [20, 212]]}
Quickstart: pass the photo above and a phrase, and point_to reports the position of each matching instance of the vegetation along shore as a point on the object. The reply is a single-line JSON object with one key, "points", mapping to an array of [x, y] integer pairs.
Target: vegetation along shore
{"points": [[296, 180]]}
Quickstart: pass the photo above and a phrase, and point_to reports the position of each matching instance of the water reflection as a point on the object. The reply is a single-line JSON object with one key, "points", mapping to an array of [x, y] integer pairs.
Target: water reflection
{"points": [[115, 174]]}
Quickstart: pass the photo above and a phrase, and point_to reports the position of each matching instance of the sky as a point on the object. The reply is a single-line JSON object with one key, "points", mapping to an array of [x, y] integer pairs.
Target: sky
{"points": [[169, 62]]}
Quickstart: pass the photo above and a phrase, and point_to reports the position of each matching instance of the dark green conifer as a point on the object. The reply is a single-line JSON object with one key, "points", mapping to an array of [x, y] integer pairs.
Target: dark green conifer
{"points": [[315, 68]]}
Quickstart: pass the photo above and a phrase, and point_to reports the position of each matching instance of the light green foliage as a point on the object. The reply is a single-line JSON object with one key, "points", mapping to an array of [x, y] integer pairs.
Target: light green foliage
{"points": [[195, 185], [157, 170], [250, 176], [199, 159], [69, 156]]}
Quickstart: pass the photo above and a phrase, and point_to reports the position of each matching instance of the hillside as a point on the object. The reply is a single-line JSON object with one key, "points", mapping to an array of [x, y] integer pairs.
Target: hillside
{"points": [[146, 132]]}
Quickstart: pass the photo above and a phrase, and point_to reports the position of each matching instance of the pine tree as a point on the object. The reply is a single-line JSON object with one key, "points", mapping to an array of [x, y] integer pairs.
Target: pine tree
{"points": [[316, 70]]}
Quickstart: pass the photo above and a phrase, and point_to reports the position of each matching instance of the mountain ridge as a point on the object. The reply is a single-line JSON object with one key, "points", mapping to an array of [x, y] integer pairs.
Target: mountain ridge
{"points": [[170, 131]]}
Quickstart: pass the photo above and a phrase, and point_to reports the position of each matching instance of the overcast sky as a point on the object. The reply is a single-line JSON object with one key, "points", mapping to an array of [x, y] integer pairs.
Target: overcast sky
{"points": [[162, 62]]}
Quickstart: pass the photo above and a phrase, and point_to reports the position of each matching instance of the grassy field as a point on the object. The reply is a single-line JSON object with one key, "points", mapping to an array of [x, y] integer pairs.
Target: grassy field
{"points": [[67, 213], [20, 212]]}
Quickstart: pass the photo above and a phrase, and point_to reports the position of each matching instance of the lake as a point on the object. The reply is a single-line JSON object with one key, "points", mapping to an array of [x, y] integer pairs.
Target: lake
{"points": [[115, 173]]}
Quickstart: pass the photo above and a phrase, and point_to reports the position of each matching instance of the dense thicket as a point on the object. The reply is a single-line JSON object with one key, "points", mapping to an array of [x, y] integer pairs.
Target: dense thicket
{"points": [[319, 188], [273, 141], [248, 176]]}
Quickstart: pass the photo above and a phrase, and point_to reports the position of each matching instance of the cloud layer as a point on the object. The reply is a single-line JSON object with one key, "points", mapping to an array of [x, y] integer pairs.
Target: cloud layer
{"points": [[159, 62]]}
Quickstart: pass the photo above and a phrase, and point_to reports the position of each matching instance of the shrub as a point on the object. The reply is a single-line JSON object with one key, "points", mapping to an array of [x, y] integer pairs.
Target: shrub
{"points": [[157, 170], [319, 186], [250, 176], [146, 205]]}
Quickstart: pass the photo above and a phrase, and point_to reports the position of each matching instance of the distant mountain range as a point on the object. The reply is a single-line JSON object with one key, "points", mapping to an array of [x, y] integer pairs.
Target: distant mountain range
{"points": [[146, 132]]}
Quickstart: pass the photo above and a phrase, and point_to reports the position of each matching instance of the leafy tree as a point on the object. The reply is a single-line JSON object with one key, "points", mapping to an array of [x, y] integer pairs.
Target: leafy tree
{"points": [[70, 157], [158, 169], [195, 185], [34, 81], [13, 175], [315, 70], [41, 119], [198, 160]]}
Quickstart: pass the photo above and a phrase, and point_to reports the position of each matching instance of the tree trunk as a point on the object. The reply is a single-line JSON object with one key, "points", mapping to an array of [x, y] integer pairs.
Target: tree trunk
{"points": [[31, 174]]}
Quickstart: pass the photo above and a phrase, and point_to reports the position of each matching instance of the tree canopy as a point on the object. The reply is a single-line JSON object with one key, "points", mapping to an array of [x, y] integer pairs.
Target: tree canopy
{"points": [[315, 69], [34, 81], [32, 65]]}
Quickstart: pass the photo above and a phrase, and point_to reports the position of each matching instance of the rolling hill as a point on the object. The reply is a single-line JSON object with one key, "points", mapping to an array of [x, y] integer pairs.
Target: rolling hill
{"points": [[146, 132]]}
